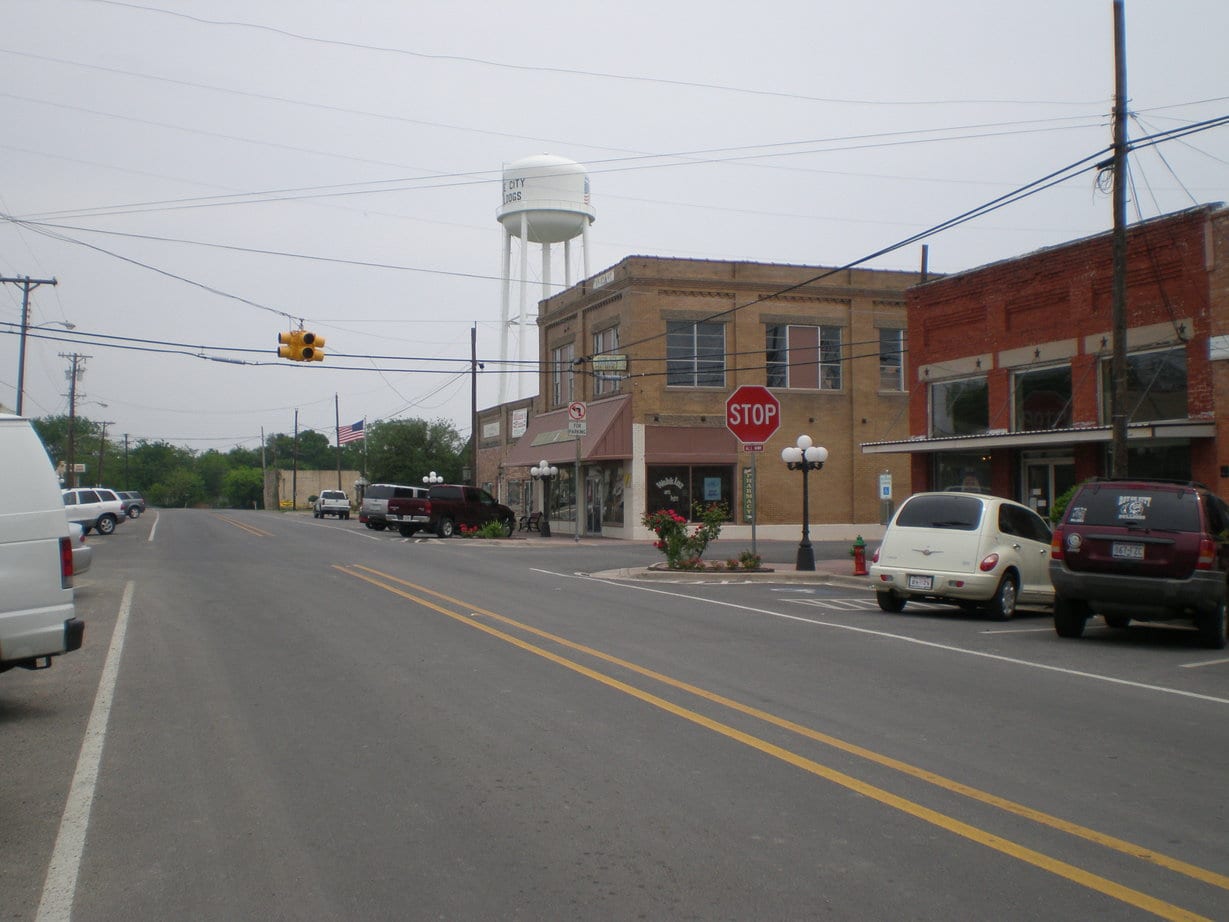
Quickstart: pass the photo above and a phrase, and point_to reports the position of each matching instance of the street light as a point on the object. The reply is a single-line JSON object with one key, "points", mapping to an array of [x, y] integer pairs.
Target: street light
{"points": [[21, 349], [432, 478], [806, 457], [545, 473]]}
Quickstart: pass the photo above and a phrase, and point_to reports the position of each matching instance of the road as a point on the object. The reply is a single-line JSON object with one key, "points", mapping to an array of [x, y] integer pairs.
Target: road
{"points": [[276, 717]]}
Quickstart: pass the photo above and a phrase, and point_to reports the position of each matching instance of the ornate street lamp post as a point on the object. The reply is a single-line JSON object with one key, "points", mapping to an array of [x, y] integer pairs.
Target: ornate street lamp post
{"points": [[805, 456], [545, 473], [431, 478]]}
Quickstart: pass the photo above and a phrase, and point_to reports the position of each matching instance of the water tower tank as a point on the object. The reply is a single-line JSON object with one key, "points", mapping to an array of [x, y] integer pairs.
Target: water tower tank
{"points": [[552, 193]]}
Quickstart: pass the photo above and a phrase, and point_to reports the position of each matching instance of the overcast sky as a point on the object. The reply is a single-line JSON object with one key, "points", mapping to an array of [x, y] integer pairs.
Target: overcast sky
{"points": [[210, 172]]}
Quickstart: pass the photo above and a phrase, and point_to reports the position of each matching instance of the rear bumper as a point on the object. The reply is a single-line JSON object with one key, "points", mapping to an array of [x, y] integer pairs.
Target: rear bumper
{"points": [[74, 634], [1204, 590], [408, 519], [969, 587]]}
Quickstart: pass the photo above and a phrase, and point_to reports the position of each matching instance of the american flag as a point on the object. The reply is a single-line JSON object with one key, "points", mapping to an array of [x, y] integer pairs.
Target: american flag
{"points": [[353, 433]]}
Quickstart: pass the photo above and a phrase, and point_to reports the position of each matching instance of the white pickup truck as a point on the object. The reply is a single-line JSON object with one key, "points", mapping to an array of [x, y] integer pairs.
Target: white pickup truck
{"points": [[331, 502]]}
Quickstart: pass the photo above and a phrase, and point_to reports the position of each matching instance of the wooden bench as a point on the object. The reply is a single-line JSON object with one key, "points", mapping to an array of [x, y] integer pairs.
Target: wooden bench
{"points": [[531, 522]]}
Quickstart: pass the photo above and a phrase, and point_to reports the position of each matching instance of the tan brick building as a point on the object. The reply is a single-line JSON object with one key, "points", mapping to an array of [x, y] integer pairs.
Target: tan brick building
{"points": [[653, 347]]}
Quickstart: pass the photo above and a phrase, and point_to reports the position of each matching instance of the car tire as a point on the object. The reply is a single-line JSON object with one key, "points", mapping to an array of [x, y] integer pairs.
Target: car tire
{"points": [[408, 531], [1003, 605], [378, 526], [1117, 621], [445, 527], [105, 524], [509, 527], [1070, 616], [134, 513], [890, 602], [1212, 627], [346, 517]]}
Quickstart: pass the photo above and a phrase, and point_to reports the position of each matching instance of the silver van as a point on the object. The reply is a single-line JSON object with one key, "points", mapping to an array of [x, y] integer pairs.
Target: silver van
{"points": [[37, 616]]}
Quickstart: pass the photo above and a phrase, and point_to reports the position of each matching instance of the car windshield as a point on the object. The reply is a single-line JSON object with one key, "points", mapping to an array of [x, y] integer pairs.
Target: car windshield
{"points": [[935, 510], [1125, 506]]}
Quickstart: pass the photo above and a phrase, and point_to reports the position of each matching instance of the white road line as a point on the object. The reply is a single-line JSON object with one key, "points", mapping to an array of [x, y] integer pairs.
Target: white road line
{"points": [[60, 886], [153, 528], [1021, 630], [902, 638], [1211, 662]]}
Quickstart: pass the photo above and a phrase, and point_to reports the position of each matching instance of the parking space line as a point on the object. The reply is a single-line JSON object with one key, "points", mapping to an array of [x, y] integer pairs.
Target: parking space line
{"points": [[1212, 662]]}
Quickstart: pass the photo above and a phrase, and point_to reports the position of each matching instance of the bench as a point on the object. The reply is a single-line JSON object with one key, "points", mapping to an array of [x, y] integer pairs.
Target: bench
{"points": [[531, 522]]}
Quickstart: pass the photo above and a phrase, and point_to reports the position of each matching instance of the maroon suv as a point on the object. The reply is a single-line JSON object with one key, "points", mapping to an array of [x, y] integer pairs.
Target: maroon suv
{"points": [[1142, 549]]}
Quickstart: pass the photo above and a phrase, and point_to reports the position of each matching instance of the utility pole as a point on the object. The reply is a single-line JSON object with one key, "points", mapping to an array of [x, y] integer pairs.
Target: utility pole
{"points": [[294, 475], [102, 447], [27, 285], [1118, 306], [473, 400], [76, 370], [337, 435]]}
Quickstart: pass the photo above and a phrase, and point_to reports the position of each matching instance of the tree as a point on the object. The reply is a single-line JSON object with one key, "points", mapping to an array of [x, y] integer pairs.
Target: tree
{"points": [[402, 451], [242, 487], [181, 487]]}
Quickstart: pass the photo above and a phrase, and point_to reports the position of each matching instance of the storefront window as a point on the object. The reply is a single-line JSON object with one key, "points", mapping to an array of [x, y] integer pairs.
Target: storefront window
{"points": [[611, 476], [1156, 386], [680, 487], [1042, 399], [563, 495], [959, 407], [962, 470]]}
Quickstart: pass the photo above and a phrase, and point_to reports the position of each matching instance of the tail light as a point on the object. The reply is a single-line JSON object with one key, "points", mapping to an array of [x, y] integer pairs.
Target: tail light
{"points": [[426, 507], [1207, 554], [1056, 544], [988, 563], [66, 563]]}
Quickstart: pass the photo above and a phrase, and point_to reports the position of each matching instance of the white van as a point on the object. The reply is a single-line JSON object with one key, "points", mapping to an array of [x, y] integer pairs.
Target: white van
{"points": [[37, 617]]}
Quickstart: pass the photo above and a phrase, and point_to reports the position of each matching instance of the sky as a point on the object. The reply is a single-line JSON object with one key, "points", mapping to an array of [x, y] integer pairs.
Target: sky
{"points": [[199, 176]]}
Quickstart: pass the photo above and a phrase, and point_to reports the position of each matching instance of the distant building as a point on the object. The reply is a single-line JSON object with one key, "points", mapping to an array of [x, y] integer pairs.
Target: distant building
{"points": [[653, 347], [1009, 365]]}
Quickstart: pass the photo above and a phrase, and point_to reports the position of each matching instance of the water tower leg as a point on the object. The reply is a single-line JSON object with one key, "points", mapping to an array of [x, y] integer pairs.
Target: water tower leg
{"points": [[584, 239], [505, 299], [567, 264], [523, 315]]}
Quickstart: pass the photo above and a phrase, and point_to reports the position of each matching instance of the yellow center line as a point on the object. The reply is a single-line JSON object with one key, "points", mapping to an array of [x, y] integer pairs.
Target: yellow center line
{"points": [[251, 529], [957, 827]]}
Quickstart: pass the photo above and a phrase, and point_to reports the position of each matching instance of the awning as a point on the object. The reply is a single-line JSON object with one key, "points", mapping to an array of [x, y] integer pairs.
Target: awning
{"points": [[689, 445], [547, 437], [1049, 438]]}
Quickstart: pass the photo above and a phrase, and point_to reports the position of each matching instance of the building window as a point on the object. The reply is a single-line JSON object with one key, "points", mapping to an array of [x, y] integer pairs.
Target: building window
{"points": [[891, 360], [681, 487], [1156, 386], [695, 354], [962, 470], [606, 382], [959, 407], [1042, 399], [561, 376], [804, 357]]}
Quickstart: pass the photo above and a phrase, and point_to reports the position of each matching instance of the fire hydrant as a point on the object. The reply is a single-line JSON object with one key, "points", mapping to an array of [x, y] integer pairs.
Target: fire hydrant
{"points": [[858, 551]]}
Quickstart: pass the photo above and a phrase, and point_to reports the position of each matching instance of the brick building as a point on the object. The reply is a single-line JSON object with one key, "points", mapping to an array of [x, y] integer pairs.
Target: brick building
{"points": [[655, 346], [1009, 364]]}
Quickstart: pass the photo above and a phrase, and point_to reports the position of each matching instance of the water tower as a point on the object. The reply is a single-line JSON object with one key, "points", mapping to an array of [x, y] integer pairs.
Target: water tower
{"points": [[545, 201]]}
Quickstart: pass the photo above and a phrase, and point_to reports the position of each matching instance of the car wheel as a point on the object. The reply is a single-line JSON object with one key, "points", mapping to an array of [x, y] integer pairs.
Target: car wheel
{"points": [[407, 531], [346, 517], [105, 524], [445, 527], [1069, 617], [509, 527], [134, 513], [1003, 605], [890, 602], [1118, 621], [1211, 625], [378, 526]]}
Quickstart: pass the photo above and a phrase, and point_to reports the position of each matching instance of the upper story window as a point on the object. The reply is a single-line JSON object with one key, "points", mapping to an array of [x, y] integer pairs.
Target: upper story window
{"points": [[960, 407], [891, 360], [606, 382], [1041, 399], [1156, 386], [561, 374], [804, 357], [695, 354]]}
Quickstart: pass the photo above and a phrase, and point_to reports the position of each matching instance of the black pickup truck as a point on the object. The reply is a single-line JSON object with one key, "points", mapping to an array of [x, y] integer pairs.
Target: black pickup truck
{"points": [[446, 508]]}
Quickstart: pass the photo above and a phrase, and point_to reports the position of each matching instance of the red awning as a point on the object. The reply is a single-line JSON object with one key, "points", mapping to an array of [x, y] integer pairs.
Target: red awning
{"points": [[547, 437], [689, 445]]}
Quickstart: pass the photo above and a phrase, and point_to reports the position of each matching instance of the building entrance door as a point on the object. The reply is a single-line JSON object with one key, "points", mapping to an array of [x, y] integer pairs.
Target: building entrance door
{"points": [[1045, 479]]}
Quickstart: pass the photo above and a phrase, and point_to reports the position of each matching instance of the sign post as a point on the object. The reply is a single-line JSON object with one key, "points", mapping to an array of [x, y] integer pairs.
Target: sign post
{"points": [[753, 414], [578, 426]]}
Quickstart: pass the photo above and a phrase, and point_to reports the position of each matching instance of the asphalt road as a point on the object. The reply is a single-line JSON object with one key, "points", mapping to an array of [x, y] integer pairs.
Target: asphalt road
{"points": [[275, 717]]}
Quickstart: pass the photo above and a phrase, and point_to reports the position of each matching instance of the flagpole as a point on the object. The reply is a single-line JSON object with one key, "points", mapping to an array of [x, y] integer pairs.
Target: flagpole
{"points": [[337, 431]]}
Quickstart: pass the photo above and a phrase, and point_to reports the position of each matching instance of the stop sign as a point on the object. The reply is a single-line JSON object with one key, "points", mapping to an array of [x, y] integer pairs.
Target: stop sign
{"points": [[752, 413]]}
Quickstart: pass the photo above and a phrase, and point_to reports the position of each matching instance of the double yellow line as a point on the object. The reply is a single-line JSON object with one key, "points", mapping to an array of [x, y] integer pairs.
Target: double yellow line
{"points": [[423, 596], [250, 529]]}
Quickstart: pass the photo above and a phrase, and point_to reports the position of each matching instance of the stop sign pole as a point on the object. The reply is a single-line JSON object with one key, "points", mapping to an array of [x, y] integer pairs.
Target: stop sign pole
{"points": [[753, 414]]}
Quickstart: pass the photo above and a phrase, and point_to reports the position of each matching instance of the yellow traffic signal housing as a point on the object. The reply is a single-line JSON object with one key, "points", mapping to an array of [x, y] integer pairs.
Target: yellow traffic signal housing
{"points": [[292, 345], [313, 348]]}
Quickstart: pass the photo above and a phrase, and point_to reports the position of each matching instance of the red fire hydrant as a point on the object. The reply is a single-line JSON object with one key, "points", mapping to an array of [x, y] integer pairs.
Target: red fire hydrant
{"points": [[858, 551]]}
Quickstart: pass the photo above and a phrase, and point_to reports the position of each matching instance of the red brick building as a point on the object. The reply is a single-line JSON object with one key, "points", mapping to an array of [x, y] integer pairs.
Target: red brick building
{"points": [[1009, 364]]}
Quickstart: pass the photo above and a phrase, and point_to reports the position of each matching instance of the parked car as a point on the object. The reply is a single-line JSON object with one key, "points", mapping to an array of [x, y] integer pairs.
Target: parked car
{"points": [[133, 503], [94, 507], [409, 509], [37, 615], [454, 505], [83, 554], [1145, 550], [331, 502], [373, 511], [981, 552]]}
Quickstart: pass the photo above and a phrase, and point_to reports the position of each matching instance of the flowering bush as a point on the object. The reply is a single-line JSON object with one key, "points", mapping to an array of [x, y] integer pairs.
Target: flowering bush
{"points": [[682, 547]]}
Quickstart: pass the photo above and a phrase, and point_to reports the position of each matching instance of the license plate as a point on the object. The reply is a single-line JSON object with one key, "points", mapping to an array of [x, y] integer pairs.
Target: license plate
{"points": [[1127, 551], [921, 582]]}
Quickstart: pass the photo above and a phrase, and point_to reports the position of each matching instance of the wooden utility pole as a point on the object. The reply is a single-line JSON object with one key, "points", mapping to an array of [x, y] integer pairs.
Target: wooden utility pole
{"points": [[27, 285], [1118, 307]]}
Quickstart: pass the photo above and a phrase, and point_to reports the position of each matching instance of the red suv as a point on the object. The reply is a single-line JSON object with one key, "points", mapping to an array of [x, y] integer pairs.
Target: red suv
{"points": [[1144, 549]]}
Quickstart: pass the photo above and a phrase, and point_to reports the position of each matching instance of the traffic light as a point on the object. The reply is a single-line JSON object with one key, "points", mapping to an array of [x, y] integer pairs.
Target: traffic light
{"points": [[300, 346]]}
